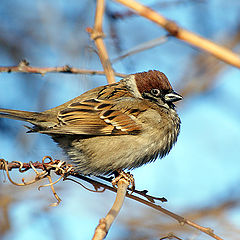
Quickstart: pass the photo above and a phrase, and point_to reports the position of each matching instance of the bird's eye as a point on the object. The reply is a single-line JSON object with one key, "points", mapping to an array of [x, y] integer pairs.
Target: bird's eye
{"points": [[156, 92]]}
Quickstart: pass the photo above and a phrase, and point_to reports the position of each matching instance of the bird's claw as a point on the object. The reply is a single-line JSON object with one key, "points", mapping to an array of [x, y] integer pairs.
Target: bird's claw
{"points": [[127, 176]]}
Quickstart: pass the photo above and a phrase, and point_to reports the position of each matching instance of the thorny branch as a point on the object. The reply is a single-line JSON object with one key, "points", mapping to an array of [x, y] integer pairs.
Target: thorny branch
{"points": [[65, 170]]}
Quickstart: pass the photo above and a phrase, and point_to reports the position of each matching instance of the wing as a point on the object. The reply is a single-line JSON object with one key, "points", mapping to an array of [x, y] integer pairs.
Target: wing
{"points": [[96, 117]]}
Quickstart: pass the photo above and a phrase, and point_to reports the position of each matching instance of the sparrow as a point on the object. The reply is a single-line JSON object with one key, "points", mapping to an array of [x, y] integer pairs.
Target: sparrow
{"points": [[119, 126]]}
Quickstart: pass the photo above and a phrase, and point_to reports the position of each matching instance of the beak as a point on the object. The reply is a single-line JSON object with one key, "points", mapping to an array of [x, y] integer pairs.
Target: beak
{"points": [[172, 97]]}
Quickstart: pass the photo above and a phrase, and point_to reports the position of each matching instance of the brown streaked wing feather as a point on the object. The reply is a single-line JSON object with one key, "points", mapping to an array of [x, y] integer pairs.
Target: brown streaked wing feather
{"points": [[114, 91], [96, 117]]}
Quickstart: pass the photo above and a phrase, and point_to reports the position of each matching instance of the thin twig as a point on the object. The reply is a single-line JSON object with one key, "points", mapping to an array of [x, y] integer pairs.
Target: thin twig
{"points": [[96, 188], [97, 35], [142, 47], [142, 193], [59, 167], [39, 175], [54, 192], [69, 171], [178, 218], [43, 70], [105, 223], [195, 40], [170, 236]]}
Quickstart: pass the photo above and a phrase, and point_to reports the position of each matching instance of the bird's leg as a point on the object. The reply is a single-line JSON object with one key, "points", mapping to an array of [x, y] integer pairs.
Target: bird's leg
{"points": [[126, 175]]}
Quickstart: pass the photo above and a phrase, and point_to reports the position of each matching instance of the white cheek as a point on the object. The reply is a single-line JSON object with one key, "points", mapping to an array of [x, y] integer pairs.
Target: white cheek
{"points": [[132, 83]]}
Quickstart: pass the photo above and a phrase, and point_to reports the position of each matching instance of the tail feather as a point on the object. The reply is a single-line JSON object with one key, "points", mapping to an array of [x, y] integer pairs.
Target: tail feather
{"points": [[17, 115], [38, 119]]}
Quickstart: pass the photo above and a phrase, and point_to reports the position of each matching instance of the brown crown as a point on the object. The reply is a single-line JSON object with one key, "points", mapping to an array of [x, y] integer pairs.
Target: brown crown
{"points": [[152, 79]]}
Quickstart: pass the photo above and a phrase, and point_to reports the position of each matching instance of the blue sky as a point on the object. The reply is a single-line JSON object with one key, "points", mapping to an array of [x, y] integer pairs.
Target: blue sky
{"points": [[201, 168]]}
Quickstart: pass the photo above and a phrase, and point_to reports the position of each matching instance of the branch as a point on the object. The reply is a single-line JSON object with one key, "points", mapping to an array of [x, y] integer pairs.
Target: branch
{"points": [[105, 223], [170, 236], [63, 169], [97, 35], [24, 67], [201, 73], [195, 40], [142, 47]]}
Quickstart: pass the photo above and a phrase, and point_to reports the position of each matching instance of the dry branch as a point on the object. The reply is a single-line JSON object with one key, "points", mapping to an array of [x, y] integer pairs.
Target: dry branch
{"points": [[202, 72], [105, 223], [142, 47], [24, 67], [97, 35], [64, 170], [193, 39]]}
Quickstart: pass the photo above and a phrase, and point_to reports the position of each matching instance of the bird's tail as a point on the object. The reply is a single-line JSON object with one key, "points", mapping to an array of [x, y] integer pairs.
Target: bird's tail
{"points": [[40, 120], [19, 115]]}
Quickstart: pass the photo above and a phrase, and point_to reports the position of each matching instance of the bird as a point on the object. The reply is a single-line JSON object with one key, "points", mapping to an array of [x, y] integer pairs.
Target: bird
{"points": [[119, 126]]}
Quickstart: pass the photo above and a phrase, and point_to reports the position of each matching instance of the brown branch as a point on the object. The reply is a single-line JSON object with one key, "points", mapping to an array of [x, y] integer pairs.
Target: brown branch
{"points": [[104, 225], [156, 5], [54, 192], [63, 169], [180, 219], [60, 168], [195, 40], [216, 212], [97, 35], [201, 73], [25, 68]]}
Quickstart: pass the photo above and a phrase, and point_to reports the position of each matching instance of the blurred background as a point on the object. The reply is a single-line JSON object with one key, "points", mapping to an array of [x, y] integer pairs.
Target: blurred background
{"points": [[200, 177]]}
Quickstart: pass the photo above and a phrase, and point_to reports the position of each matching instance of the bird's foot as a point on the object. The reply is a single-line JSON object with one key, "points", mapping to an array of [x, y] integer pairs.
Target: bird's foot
{"points": [[127, 176]]}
